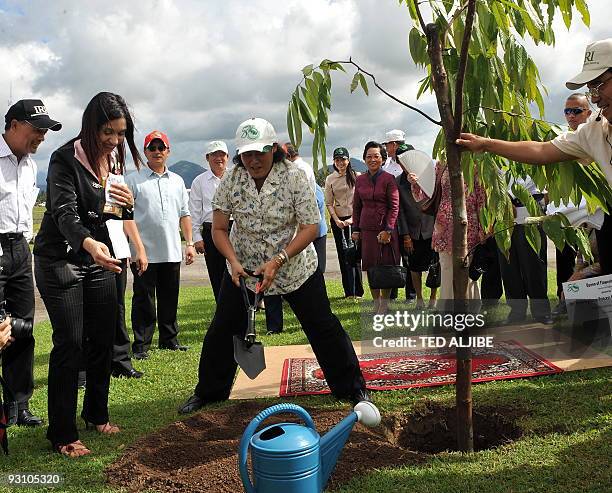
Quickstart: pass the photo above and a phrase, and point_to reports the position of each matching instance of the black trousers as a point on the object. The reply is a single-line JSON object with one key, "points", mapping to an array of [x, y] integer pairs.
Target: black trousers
{"points": [[566, 261], [121, 348], [17, 289], [604, 245], [351, 275], [330, 343], [491, 288], [525, 275], [159, 281], [215, 261], [320, 245], [81, 301]]}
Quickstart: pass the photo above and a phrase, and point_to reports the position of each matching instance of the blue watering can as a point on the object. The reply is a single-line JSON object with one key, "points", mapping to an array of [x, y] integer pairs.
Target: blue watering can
{"points": [[291, 458]]}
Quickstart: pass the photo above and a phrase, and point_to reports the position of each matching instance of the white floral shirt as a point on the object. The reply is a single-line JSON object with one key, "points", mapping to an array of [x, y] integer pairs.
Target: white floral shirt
{"points": [[266, 221]]}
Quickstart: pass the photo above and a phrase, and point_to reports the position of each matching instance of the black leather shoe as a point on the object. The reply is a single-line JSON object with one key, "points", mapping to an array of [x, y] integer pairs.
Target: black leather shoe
{"points": [[126, 372], [26, 418], [359, 396], [191, 405], [174, 347], [546, 320], [141, 355]]}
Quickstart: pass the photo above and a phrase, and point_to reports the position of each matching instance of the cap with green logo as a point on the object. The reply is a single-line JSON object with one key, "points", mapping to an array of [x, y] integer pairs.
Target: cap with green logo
{"points": [[341, 152], [403, 148], [255, 134]]}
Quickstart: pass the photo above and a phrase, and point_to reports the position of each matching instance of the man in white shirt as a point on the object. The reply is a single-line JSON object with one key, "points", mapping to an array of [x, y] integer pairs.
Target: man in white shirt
{"points": [[26, 124], [592, 140], [293, 155], [202, 192], [393, 139]]}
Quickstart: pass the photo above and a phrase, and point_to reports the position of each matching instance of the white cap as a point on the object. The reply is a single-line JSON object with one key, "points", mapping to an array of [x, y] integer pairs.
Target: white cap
{"points": [[216, 145], [597, 59], [394, 136], [254, 135]]}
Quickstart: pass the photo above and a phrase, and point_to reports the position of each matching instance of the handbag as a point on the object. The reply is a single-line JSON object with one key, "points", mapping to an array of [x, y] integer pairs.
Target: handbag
{"points": [[431, 205], [434, 274], [482, 260], [387, 276], [352, 253]]}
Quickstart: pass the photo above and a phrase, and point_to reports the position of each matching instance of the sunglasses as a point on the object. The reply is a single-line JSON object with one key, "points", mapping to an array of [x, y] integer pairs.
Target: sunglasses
{"points": [[573, 111], [156, 147]]}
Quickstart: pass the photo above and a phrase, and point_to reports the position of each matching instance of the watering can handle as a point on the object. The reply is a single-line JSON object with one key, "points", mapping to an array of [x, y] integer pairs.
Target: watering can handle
{"points": [[250, 431]]}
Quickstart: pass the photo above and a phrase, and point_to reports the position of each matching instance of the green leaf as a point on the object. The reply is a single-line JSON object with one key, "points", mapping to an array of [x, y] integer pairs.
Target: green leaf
{"points": [[583, 244], [355, 82], [583, 8], [565, 7], [534, 239], [290, 123], [363, 83], [297, 122], [553, 230], [305, 113], [307, 70]]}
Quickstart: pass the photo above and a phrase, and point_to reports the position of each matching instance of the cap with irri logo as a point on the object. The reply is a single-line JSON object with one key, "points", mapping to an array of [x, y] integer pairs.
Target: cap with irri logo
{"points": [[32, 111]]}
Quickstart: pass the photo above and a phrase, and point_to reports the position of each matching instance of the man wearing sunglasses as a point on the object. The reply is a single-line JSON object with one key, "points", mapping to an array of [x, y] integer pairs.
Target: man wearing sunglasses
{"points": [[577, 110], [160, 209], [591, 141], [26, 124]]}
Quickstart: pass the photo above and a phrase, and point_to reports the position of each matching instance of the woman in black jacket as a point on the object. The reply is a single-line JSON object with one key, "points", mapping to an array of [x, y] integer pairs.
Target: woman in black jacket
{"points": [[74, 268]]}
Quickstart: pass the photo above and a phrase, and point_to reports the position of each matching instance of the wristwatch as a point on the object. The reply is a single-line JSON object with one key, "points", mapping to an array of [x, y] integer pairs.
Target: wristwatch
{"points": [[189, 243]]}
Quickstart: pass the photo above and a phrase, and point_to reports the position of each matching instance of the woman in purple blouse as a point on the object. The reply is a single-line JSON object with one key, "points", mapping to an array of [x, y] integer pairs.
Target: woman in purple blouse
{"points": [[375, 211]]}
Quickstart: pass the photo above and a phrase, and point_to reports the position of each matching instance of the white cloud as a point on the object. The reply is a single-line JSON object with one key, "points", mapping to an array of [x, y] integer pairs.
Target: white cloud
{"points": [[196, 69]]}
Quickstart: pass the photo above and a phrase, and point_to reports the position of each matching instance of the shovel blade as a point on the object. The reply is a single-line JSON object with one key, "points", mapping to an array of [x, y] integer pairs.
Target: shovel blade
{"points": [[251, 359]]}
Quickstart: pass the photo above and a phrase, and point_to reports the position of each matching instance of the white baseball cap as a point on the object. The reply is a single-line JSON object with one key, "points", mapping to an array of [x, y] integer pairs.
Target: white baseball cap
{"points": [[255, 134], [216, 145], [394, 136], [597, 59]]}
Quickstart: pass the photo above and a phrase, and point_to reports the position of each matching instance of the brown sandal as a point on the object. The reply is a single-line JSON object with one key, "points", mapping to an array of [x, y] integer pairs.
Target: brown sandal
{"points": [[72, 450], [104, 429]]}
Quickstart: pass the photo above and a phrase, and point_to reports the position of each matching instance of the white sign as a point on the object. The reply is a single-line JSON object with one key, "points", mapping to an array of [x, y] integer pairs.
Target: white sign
{"points": [[589, 299]]}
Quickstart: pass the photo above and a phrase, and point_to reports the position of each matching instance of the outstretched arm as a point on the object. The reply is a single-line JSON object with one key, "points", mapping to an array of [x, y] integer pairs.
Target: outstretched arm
{"points": [[527, 151]]}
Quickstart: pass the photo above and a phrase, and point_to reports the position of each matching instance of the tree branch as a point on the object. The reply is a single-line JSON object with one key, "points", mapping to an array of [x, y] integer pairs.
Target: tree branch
{"points": [[454, 17], [510, 113], [387, 93], [463, 59], [418, 12]]}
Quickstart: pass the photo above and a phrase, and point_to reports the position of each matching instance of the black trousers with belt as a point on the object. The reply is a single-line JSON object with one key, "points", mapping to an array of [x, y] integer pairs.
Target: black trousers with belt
{"points": [[17, 290], [525, 275], [121, 348], [215, 261], [351, 275], [81, 301], [330, 343], [159, 283], [566, 261]]}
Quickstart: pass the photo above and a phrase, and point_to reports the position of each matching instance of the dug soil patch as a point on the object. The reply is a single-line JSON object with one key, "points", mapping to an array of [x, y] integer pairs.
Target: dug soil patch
{"points": [[199, 454]]}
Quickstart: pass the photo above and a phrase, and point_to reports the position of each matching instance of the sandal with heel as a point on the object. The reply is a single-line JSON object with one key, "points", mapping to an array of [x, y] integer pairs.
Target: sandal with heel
{"points": [[107, 428], [71, 450]]}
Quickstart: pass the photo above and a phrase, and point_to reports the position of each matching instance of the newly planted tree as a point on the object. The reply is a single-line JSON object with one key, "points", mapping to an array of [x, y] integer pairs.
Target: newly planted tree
{"points": [[484, 82]]}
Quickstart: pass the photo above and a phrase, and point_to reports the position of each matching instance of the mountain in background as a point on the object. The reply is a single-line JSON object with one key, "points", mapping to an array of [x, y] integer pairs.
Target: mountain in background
{"points": [[187, 170], [357, 165]]}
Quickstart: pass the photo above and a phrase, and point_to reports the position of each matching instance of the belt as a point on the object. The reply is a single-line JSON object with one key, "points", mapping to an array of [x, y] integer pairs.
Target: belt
{"points": [[11, 236]]}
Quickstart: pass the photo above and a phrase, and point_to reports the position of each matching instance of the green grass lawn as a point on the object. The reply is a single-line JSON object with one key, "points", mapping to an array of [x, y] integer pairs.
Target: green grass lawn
{"points": [[566, 445]]}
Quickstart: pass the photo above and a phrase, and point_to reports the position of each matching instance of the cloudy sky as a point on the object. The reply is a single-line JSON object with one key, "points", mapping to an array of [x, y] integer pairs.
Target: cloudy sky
{"points": [[197, 68]]}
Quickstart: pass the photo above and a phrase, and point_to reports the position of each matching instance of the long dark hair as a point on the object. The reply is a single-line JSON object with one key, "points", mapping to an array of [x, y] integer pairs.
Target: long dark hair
{"points": [[278, 156], [350, 175], [104, 107]]}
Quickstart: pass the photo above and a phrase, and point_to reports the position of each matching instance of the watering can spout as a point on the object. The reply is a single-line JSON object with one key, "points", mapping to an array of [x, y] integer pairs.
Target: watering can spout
{"points": [[332, 444]]}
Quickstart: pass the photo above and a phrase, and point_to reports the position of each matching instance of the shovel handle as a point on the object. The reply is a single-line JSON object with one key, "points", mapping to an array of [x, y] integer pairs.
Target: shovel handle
{"points": [[243, 451]]}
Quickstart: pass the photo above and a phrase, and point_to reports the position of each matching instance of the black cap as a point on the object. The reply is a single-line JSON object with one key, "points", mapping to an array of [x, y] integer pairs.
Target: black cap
{"points": [[403, 148], [33, 111], [341, 152]]}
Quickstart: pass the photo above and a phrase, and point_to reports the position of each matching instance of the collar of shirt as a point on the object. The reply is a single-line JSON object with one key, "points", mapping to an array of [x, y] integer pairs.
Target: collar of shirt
{"points": [[211, 176], [5, 150], [154, 173], [270, 185], [375, 175]]}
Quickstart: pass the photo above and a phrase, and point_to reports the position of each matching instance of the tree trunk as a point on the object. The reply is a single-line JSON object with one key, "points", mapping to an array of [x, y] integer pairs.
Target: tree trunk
{"points": [[459, 252]]}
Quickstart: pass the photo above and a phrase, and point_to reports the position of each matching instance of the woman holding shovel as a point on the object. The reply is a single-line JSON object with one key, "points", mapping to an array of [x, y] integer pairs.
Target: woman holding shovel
{"points": [[275, 221]]}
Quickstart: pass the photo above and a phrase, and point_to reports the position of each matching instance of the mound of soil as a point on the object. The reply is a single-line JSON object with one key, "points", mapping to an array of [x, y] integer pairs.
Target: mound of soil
{"points": [[199, 454]]}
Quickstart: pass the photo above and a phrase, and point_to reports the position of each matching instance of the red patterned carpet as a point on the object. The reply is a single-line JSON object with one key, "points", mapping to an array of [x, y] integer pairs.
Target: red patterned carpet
{"points": [[421, 368]]}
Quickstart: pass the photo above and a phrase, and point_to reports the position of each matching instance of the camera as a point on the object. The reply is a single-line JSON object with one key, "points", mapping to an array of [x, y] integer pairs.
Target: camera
{"points": [[20, 328]]}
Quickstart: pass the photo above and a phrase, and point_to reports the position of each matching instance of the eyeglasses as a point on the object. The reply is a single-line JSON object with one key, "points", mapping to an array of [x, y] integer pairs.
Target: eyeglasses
{"points": [[156, 147], [593, 92], [573, 111]]}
